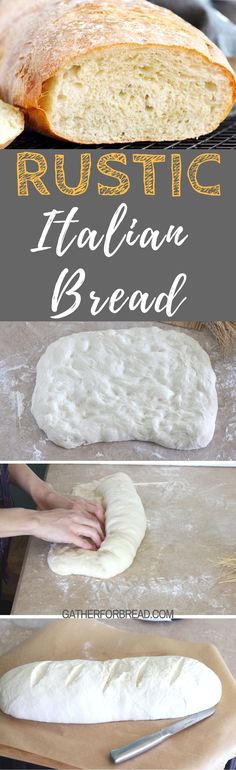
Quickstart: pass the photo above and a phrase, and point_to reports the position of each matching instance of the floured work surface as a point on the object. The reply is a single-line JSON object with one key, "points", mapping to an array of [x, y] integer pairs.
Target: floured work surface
{"points": [[203, 747], [191, 526], [22, 344]]}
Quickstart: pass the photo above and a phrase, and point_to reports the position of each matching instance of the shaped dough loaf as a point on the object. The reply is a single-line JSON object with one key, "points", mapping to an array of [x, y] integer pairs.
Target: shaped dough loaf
{"points": [[125, 523], [92, 691], [114, 385]]}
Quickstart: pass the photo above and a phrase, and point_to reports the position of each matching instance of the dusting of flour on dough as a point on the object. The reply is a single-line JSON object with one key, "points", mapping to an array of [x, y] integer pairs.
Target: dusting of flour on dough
{"points": [[117, 385]]}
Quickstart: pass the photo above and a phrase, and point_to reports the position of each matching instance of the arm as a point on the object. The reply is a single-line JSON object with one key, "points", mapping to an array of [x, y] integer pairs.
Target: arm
{"points": [[26, 479], [59, 526], [16, 521], [46, 497], [72, 520]]}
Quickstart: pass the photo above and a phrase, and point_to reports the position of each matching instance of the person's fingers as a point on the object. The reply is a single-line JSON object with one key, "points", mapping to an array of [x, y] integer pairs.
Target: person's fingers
{"points": [[88, 520], [94, 507], [68, 526], [91, 507], [100, 512], [82, 542], [90, 532], [96, 515]]}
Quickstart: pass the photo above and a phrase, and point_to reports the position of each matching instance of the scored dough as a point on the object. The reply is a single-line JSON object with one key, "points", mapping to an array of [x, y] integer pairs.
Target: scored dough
{"points": [[92, 691], [114, 385], [125, 524]]}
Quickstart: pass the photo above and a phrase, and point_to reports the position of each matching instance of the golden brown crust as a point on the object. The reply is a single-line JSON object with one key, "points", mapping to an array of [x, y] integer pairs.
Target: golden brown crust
{"points": [[40, 37]]}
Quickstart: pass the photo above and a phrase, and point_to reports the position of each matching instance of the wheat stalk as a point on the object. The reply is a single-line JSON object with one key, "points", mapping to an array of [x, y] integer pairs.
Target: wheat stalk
{"points": [[223, 331], [229, 564]]}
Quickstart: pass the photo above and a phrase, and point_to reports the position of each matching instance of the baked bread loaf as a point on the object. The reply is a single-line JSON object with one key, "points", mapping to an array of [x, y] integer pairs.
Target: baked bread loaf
{"points": [[102, 71], [11, 123]]}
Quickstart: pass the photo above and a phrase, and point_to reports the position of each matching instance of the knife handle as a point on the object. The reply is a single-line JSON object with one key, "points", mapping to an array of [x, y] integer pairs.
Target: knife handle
{"points": [[135, 748]]}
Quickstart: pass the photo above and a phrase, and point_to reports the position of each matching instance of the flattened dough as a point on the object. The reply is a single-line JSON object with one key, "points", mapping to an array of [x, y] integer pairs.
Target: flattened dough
{"points": [[115, 385], [92, 691], [125, 523]]}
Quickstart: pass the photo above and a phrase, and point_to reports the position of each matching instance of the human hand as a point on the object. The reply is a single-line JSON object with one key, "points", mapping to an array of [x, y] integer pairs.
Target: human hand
{"points": [[66, 525]]}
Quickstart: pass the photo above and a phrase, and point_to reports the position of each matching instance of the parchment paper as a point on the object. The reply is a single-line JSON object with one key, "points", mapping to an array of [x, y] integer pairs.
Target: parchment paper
{"points": [[207, 746]]}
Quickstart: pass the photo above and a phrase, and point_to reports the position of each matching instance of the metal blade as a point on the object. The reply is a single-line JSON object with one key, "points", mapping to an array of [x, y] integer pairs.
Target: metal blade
{"points": [[131, 750], [188, 721]]}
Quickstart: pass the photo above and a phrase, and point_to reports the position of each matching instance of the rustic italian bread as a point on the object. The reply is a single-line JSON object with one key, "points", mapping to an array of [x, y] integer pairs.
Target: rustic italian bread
{"points": [[95, 71], [11, 124]]}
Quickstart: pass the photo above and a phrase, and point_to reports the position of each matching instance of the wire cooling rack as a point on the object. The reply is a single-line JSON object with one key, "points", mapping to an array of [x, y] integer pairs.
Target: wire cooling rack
{"points": [[223, 138]]}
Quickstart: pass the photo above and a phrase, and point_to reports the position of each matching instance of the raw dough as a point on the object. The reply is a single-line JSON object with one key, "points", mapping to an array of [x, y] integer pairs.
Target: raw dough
{"points": [[125, 523], [92, 691], [114, 385]]}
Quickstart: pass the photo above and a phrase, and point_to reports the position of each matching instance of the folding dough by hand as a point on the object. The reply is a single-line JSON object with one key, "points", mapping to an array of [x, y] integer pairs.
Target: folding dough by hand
{"points": [[125, 524]]}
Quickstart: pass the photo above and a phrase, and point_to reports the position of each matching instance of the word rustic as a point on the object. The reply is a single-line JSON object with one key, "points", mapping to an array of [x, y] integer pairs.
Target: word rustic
{"points": [[34, 172]]}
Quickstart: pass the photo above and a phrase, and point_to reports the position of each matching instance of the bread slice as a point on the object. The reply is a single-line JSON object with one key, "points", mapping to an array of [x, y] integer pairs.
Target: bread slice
{"points": [[133, 94], [99, 71], [11, 124]]}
